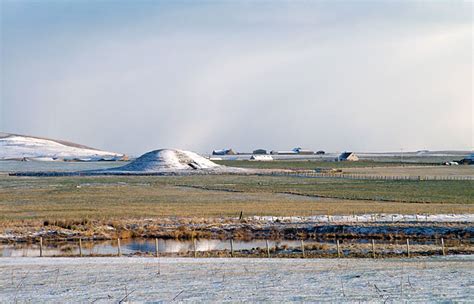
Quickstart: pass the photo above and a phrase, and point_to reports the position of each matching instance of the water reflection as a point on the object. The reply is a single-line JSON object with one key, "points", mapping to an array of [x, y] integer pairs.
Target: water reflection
{"points": [[132, 246]]}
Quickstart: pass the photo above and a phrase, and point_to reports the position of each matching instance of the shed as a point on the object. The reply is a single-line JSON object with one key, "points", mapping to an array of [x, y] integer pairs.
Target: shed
{"points": [[260, 151], [469, 160]]}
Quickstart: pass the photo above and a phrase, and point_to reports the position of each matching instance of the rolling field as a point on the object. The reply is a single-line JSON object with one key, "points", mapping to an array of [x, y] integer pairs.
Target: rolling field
{"points": [[116, 197]]}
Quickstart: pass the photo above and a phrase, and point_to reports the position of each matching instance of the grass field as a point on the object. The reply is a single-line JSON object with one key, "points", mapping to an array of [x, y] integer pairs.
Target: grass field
{"points": [[103, 198]]}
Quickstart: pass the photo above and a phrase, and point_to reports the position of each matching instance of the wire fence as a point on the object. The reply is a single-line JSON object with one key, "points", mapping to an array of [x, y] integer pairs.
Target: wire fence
{"points": [[337, 248], [373, 177]]}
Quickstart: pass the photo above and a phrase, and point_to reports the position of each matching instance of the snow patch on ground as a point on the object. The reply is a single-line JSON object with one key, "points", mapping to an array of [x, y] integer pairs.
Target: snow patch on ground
{"points": [[385, 218], [24, 147], [217, 280]]}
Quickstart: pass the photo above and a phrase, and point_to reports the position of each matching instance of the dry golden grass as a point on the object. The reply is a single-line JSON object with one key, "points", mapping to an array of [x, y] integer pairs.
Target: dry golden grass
{"points": [[109, 198]]}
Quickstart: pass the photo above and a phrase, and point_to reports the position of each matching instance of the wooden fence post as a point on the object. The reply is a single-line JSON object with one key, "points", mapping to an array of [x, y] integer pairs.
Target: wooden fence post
{"points": [[41, 246], [231, 247], [338, 249], [302, 248], [80, 247], [442, 246], [268, 249], [119, 250], [195, 248], [373, 249], [156, 248], [408, 248]]}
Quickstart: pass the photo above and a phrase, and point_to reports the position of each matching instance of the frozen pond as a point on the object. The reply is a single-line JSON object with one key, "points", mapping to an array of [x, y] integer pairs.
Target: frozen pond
{"points": [[217, 280]]}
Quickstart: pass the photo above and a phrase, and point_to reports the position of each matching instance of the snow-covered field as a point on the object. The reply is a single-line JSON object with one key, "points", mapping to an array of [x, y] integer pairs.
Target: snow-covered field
{"points": [[41, 149], [406, 156], [371, 218], [110, 280]]}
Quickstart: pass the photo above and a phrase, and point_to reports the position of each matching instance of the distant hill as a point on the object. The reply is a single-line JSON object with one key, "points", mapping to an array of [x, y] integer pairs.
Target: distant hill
{"points": [[23, 147]]}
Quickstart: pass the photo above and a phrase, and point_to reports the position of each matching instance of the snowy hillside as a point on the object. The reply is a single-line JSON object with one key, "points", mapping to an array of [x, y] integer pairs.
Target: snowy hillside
{"points": [[21, 147]]}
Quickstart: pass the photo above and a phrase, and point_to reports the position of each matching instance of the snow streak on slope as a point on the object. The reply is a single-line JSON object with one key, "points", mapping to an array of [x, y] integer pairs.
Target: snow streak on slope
{"points": [[25, 147]]}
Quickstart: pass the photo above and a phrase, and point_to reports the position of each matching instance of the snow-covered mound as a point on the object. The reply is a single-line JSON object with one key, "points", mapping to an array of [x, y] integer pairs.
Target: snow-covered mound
{"points": [[164, 160], [20, 147]]}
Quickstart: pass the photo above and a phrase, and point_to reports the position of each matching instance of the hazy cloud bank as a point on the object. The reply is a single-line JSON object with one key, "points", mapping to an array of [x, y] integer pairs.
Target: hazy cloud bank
{"points": [[134, 76]]}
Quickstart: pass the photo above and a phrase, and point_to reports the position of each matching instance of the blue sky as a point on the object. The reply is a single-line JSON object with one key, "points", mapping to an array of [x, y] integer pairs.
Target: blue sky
{"points": [[133, 76]]}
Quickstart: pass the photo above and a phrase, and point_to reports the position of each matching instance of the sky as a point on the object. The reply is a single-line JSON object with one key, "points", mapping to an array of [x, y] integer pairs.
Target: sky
{"points": [[134, 76]]}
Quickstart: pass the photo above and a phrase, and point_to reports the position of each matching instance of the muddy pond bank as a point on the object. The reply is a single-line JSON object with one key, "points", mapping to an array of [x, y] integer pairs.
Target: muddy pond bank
{"points": [[246, 229]]}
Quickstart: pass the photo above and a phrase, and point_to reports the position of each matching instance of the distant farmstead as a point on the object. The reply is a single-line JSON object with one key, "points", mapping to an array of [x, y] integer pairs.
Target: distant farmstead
{"points": [[260, 151], [347, 156]]}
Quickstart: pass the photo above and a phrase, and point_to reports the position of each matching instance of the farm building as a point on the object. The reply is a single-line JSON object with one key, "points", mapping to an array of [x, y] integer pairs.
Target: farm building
{"points": [[224, 152], [320, 152], [283, 152], [303, 151], [260, 151], [261, 157], [469, 160], [347, 156], [295, 151]]}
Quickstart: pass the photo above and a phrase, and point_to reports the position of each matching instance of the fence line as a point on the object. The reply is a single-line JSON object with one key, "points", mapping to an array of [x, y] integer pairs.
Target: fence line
{"points": [[371, 176], [339, 248], [304, 174]]}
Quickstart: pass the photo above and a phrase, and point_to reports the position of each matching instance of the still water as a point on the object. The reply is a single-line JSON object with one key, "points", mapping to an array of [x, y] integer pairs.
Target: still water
{"points": [[132, 246]]}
